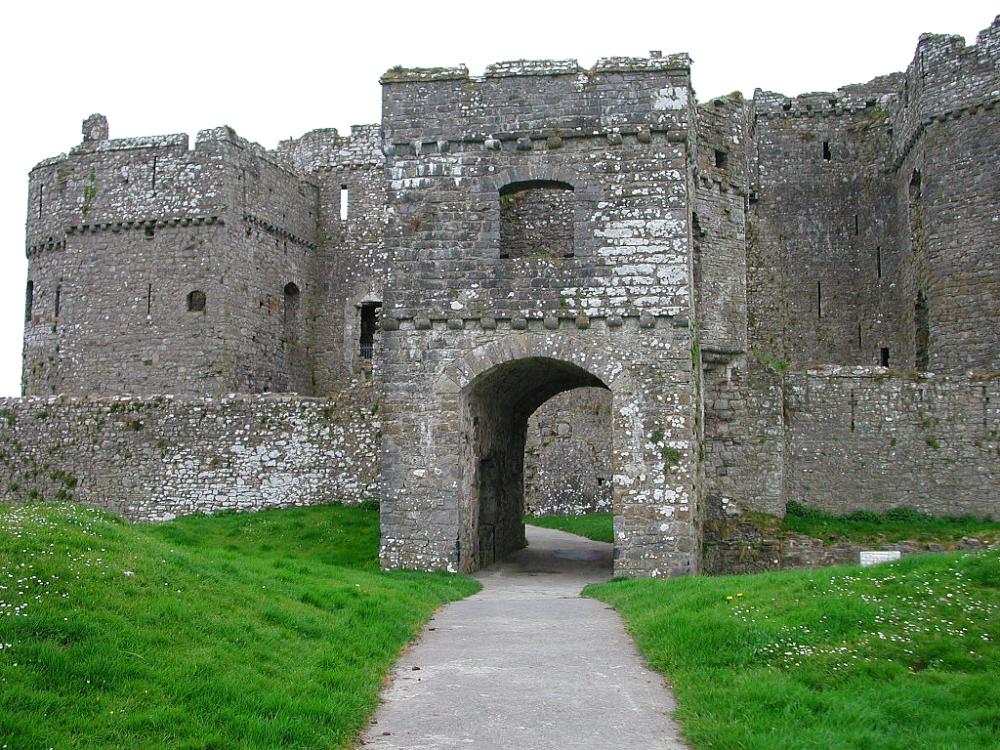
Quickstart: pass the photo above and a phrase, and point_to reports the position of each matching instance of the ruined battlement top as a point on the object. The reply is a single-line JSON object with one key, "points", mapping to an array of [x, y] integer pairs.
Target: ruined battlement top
{"points": [[878, 92], [516, 68]]}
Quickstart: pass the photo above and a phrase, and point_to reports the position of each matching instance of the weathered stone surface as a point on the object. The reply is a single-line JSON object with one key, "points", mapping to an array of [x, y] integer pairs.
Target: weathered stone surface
{"points": [[727, 274]]}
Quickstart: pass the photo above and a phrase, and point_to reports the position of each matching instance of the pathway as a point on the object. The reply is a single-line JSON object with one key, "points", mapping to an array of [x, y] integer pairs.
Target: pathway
{"points": [[527, 663]]}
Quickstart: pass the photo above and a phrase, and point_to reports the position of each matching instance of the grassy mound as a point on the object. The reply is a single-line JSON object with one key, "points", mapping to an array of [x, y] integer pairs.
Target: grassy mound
{"points": [[596, 526], [885, 658], [262, 630], [893, 525]]}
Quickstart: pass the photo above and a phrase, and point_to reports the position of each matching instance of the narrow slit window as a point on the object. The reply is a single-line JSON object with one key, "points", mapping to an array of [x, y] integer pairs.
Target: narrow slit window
{"points": [[149, 299], [819, 299], [369, 323], [344, 198], [884, 356], [826, 150], [291, 310], [878, 261], [29, 301], [721, 159], [58, 298], [859, 336], [857, 229], [196, 301]]}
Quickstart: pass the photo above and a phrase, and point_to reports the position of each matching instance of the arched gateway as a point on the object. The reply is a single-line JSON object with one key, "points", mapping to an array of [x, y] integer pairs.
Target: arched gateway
{"points": [[522, 266]]}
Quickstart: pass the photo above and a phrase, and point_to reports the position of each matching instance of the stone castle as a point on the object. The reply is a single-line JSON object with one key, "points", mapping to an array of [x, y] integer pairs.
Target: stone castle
{"points": [[545, 287]]}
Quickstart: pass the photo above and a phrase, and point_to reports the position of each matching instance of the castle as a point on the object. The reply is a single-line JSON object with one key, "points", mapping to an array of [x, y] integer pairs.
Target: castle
{"points": [[675, 310]]}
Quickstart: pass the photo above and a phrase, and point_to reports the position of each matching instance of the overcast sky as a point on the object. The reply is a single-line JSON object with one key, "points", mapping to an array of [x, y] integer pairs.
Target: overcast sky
{"points": [[280, 69]]}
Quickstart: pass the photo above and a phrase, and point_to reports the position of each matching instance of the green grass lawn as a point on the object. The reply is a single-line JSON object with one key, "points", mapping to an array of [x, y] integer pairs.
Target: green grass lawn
{"points": [[891, 526], [892, 657], [596, 526], [257, 630]]}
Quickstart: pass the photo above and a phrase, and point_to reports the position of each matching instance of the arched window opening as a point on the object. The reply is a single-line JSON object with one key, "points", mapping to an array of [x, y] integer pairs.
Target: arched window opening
{"points": [[536, 219], [196, 301], [29, 301], [369, 324]]}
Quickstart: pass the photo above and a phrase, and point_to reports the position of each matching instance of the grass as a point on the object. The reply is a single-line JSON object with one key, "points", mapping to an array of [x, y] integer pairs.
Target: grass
{"points": [[262, 630], [884, 658], [596, 526], [891, 526]]}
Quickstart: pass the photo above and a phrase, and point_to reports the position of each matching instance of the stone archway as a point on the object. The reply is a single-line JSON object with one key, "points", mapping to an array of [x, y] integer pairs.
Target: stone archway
{"points": [[496, 406], [453, 441]]}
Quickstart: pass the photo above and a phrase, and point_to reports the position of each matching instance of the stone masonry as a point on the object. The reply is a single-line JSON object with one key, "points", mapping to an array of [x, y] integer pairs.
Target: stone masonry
{"points": [[545, 289]]}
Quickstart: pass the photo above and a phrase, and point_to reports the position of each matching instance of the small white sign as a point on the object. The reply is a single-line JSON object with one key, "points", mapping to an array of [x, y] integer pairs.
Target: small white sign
{"points": [[874, 557]]}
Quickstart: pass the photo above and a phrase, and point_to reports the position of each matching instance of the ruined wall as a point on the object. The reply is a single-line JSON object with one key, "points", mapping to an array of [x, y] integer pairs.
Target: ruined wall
{"points": [[858, 438], [818, 212], [351, 261], [852, 438], [567, 455], [154, 458], [946, 133], [872, 222], [123, 231], [718, 224]]}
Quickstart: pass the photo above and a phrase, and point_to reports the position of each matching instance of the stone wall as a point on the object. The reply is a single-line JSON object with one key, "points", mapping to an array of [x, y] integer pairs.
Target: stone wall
{"points": [[567, 455], [154, 458], [852, 438], [121, 232], [858, 438]]}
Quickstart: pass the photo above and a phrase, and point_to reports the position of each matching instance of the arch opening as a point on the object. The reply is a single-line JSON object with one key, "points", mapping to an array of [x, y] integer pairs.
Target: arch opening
{"points": [[537, 219], [496, 407]]}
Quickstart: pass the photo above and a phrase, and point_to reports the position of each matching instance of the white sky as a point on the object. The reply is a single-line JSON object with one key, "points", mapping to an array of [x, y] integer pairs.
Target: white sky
{"points": [[277, 70]]}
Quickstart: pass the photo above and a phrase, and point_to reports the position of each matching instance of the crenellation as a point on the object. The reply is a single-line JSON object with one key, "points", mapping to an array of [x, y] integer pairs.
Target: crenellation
{"points": [[544, 288]]}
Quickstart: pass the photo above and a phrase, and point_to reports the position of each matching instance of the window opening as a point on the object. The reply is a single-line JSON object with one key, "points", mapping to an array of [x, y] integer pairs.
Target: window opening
{"points": [[29, 301], [369, 323], [826, 150], [878, 261], [344, 197], [536, 220], [58, 298], [884, 355], [819, 299], [721, 158], [921, 332], [196, 301]]}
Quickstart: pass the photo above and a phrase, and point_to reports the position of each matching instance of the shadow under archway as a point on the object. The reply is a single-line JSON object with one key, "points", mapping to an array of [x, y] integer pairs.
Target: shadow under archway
{"points": [[495, 410]]}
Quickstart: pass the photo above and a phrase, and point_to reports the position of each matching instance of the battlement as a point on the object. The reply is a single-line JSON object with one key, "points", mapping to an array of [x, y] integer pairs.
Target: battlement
{"points": [[536, 98]]}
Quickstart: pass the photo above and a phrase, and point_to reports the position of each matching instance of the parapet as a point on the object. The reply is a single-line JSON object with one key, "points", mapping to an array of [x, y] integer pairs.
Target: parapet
{"points": [[530, 98]]}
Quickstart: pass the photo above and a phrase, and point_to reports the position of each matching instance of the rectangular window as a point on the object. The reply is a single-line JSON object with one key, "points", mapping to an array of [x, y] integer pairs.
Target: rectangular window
{"points": [[720, 159], [826, 150], [878, 261], [369, 323], [884, 353], [58, 298], [343, 202], [29, 301], [819, 299]]}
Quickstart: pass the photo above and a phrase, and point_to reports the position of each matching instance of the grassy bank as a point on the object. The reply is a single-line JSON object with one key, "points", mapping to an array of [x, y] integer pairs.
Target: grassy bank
{"points": [[885, 658], [596, 526], [261, 630], [893, 525]]}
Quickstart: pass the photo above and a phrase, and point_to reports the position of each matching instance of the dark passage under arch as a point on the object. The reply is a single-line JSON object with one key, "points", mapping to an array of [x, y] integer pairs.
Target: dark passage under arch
{"points": [[495, 410]]}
